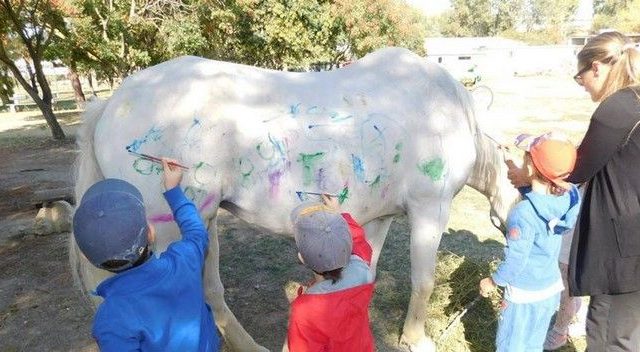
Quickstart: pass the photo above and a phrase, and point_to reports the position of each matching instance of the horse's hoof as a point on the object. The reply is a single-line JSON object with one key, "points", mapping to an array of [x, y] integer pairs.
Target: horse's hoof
{"points": [[422, 345]]}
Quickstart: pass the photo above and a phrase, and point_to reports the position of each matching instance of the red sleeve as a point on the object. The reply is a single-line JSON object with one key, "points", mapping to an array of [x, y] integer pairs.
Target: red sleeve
{"points": [[361, 247]]}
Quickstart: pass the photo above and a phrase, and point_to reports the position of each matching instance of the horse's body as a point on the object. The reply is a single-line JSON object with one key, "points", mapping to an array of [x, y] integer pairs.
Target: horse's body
{"points": [[390, 134]]}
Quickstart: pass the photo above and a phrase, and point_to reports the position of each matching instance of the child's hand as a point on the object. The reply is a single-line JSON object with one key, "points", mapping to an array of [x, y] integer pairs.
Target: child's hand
{"points": [[331, 202], [172, 174], [519, 176], [487, 286]]}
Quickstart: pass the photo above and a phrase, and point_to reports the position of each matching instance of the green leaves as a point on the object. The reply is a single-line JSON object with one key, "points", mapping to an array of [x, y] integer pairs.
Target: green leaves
{"points": [[622, 15]]}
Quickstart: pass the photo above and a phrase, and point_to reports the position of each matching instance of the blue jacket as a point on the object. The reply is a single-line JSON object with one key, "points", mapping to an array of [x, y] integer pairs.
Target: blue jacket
{"points": [[534, 229], [160, 305]]}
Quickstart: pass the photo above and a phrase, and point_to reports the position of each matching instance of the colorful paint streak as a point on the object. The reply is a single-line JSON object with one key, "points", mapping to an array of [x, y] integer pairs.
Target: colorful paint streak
{"points": [[396, 158], [153, 135], [434, 169], [164, 218], [194, 193], [246, 169], [147, 167], [343, 195], [199, 172], [358, 167], [274, 182], [308, 165], [376, 182]]}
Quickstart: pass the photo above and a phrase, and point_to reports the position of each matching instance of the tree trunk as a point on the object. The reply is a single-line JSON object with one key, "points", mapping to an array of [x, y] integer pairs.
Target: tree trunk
{"points": [[77, 87], [54, 126], [90, 80]]}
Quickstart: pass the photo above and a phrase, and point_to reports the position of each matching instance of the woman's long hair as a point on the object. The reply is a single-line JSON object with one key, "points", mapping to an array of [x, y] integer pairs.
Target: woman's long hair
{"points": [[621, 53]]}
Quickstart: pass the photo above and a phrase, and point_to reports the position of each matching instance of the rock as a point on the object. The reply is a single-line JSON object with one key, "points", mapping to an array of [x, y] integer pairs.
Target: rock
{"points": [[54, 218]]}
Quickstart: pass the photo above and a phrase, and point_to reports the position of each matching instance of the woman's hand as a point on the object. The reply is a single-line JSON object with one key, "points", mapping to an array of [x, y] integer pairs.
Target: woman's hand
{"points": [[518, 176]]}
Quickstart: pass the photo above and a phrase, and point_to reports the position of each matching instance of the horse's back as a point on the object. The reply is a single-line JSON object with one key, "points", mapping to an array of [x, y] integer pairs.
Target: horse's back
{"points": [[385, 126]]}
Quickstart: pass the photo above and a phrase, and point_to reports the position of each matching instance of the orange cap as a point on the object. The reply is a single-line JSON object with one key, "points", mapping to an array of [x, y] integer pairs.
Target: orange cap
{"points": [[554, 157]]}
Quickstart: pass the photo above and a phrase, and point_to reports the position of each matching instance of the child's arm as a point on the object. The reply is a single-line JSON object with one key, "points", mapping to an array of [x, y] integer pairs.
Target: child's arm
{"points": [[184, 211], [516, 253], [360, 247]]}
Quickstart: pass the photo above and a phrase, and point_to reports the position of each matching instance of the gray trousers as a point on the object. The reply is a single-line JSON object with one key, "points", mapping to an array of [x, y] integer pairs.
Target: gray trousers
{"points": [[613, 323]]}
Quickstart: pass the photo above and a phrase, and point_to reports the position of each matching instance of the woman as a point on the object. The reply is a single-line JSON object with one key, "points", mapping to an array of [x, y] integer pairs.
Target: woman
{"points": [[605, 253]]}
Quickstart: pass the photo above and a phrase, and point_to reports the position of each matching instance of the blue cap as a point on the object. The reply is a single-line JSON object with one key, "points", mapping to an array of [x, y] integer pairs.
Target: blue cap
{"points": [[110, 224]]}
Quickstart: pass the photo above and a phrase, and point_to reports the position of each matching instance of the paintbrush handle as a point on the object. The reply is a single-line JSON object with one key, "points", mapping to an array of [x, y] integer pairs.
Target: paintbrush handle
{"points": [[319, 194], [158, 160]]}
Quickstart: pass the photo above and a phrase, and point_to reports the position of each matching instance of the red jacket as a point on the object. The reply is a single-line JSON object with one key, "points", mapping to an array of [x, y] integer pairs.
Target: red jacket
{"points": [[336, 321]]}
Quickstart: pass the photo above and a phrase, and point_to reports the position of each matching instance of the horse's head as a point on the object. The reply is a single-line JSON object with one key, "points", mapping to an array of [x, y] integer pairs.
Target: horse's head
{"points": [[489, 177]]}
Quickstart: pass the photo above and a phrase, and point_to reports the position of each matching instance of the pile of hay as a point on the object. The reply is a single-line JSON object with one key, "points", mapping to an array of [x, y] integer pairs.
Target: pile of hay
{"points": [[457, 279]]}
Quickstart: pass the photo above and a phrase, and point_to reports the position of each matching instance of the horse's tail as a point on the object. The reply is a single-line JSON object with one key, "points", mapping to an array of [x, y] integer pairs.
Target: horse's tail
{"points": [[87, 168], [87, 173]]}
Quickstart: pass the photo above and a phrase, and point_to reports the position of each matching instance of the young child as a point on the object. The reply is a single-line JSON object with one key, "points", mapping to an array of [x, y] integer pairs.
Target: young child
{"points": [[152, 303], [558, 335], [529, 272], [332, 313]]}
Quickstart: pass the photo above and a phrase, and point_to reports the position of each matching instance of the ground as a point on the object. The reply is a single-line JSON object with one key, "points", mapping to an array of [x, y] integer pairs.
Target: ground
{"points": [[40, 309]]}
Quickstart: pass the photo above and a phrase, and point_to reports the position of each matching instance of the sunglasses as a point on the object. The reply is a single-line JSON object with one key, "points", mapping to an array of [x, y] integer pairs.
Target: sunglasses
{"points": [[578, 76]]}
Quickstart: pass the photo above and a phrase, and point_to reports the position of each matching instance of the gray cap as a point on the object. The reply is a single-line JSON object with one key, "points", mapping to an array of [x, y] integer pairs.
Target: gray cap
{"points": [[322, 236], [110, 224]]}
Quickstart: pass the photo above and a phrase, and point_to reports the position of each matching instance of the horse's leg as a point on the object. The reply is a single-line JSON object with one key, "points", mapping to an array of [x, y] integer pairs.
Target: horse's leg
{"points": [[428, 220], [234, 334], [376, 231]]}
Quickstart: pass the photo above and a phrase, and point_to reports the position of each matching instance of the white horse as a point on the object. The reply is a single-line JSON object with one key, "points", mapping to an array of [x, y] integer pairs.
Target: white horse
{"points": [[390, 134]]}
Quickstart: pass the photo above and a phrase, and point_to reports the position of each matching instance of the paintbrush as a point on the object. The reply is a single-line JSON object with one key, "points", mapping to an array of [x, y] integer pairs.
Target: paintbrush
{"points": [[155, 159], [316, 193]]}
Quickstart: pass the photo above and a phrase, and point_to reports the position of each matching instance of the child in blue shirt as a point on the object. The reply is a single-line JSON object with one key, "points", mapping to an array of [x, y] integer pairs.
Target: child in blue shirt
{"points": [[529, 272], [152, 303]]}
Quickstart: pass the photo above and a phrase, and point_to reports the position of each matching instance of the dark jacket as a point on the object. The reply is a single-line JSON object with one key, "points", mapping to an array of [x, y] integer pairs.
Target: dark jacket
{"points": [[605, 253]]}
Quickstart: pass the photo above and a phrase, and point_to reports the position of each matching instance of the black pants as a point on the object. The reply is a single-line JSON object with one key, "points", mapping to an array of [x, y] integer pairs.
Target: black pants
{"points": [[613, 323]]}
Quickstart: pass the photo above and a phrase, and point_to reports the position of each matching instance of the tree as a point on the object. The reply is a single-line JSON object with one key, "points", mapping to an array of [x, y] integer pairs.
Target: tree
{"points": [[6, 86], [277, 34], [552, 15], [367, 25], [609, 7], [302, 34], [481, 18], [26, 30], [620, 15]]}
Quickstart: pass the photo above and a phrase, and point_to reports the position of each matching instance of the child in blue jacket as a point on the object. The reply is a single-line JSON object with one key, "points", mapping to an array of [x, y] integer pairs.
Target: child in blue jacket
{"points": [[152, 303], [529, 272]]}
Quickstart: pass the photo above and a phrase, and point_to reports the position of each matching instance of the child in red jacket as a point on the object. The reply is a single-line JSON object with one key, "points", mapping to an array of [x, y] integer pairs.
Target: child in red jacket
{"points": [[331, 315]]}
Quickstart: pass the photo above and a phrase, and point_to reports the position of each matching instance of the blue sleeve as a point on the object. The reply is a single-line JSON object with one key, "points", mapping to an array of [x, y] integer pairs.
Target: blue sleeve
{"points": [[195, 238], [520, 239]]}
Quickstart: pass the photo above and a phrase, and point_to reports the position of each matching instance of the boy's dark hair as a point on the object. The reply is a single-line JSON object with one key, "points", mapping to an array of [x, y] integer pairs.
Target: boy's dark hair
{"points": [[116, 265], [333, 275]]}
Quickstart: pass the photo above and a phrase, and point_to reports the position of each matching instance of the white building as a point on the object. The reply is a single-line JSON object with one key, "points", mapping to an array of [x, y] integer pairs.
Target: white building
{"points": [[498, 57]]}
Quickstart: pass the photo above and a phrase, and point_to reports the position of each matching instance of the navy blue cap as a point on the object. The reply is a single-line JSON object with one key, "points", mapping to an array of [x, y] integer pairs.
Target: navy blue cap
{"points": [[110, 224]]}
